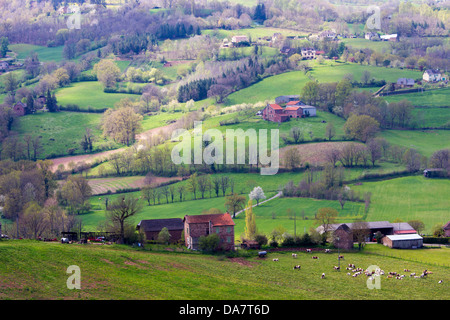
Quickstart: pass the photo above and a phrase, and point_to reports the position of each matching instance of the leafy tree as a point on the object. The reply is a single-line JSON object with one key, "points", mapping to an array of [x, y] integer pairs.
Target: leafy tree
{"points": [[209, 243], [122, 124], [107, 72], [234, 203], [310, 92], [330, 131], [326, 217], [121, 209], [361, 127], [417, 225], [4, 43], [164, 236], [250, 222]]}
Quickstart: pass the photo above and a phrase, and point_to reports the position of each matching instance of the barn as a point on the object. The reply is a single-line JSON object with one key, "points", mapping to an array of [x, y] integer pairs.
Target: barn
{"points": [[404, 241], [152, 227]]}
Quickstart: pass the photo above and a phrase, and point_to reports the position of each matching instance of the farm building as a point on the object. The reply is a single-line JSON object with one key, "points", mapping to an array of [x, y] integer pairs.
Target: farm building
{"points": [[239, 40], [20, 109], [446, 229], [203, 225], [372, 36], [293, 109], [431, 75], [404, 241], [385, 227], [343, 237], [389, 37], [151, 228], [405, 83]]}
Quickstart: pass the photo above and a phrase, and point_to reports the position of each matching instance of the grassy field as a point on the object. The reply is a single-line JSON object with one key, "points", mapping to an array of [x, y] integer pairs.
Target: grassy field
{"points": [[431, 98], [60, 131], [89, 94], [408, 198], [45, 54], [360, 43], [424, 141], [253, 33], [293, 82], [119, 272], [432, 117]]}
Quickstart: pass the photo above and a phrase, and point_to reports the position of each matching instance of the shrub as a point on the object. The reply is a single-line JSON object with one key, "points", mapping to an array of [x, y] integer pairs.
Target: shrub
{"points": [[209, 243], [261, 239]]}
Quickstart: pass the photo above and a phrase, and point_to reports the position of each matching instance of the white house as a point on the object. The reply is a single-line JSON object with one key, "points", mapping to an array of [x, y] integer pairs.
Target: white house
{"points": [[431, 75], [4, 65], [238, 39], [308, 53]]}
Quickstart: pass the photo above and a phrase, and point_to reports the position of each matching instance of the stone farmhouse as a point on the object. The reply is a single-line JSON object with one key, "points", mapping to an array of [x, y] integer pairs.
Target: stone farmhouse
{"points": [[308, 53], [197, 226], [287, 108], [193, 227]]}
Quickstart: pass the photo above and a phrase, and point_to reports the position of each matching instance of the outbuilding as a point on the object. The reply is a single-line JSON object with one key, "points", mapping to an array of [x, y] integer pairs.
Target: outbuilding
{"points": [[404, 241]]}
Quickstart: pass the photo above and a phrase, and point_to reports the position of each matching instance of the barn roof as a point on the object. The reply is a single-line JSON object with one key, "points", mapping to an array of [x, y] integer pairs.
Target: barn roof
{"points": [[221, 219], [447, 226], [292, 108], [401, 237], [158, 224], [402, 227]]}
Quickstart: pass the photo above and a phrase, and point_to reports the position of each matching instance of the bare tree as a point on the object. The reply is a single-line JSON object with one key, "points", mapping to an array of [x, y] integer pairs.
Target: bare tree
{"points": [[122, 209]]}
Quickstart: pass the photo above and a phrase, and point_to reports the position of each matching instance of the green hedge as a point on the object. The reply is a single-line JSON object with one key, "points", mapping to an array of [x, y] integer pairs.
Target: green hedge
{"points": [[437, 240]]}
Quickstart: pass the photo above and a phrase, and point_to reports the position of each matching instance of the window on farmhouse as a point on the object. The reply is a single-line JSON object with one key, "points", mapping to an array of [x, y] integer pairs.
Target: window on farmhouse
{"points": [[217, 230]]}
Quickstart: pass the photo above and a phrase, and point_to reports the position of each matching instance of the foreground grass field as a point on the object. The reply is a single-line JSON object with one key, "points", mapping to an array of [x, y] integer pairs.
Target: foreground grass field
{"points": [[119, 272]]}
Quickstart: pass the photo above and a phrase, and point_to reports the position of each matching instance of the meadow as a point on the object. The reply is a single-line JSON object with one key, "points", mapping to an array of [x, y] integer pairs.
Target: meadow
{"points": [[45, 54], [430, 98], [121, 272], [408, 198], [292, 82], [89, 94], [61, 131], [425, 142]]}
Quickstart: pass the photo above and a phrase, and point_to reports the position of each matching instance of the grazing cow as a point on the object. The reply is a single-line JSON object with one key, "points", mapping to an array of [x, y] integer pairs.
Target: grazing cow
{"points": [[351, 265], [440, 281], [275, 259], [294, 255], [406, 270], [308, 250], [298, 267], [341, 257], [315, 257], [349, 274], [327, 251], [323, 276], [336, 268], [412, 274]]}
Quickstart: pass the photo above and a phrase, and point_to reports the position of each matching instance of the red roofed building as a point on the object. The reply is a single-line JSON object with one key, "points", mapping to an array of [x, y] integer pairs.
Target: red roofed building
{"points": [[205, 224], [275, 113]]}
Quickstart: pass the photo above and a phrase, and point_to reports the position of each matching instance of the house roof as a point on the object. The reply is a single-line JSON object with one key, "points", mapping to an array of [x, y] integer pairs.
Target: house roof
{"points": [[430, 71], [405, 237], [275, 106], [344, 227], [447, 226], [292, 108], [158, 224], [292, 103], [221, 219]]}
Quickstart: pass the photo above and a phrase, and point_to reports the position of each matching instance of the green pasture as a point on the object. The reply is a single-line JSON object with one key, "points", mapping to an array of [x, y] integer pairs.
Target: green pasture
{"points": [[424, 141], [121, 272], [46, 54], [89, 94], [409, 198], [253, 33], [292, 82], [430, 98], [60, 131], [432, 117], [362, 43]]}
